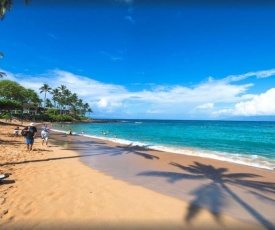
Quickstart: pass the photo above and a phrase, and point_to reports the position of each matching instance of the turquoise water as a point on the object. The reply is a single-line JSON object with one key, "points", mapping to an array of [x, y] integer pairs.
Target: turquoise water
{"points": [[251, 143]]}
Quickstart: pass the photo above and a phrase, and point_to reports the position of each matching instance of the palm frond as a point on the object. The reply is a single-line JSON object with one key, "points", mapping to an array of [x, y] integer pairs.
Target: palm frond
{"points": [[2, 74], [4, 6]]}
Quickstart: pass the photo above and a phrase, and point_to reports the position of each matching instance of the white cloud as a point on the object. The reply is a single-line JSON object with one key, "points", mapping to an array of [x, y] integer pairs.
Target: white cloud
{"points": [[206, 106], [263, 104], [257, 74], [205, 100], [111, 56]]}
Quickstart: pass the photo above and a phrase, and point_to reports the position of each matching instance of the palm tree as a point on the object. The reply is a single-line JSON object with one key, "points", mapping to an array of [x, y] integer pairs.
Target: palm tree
{"points": [[4, 6], [55, 92], [45, 88], [85, 108], [89, 111], [73, 102], [2, 74], [49, 103], [61, 101], [67, 94], [79, 105], [62, 88], [7, 5]]}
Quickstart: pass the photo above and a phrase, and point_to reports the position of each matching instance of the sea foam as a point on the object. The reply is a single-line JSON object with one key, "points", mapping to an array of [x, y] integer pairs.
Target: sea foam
{"points": [[248, 160]]}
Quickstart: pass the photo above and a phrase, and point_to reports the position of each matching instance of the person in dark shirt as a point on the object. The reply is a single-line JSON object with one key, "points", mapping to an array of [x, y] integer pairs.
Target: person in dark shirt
{"points": [[31, 134]]}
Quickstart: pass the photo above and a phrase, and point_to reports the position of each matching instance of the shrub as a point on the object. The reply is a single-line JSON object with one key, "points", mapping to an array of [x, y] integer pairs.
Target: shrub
{"points": [[52, 111], [42, 117], [60, 118], [6, 116]]}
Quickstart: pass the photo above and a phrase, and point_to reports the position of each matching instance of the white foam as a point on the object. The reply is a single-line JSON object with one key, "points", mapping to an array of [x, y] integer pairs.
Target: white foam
{"points": [[249, 160]]}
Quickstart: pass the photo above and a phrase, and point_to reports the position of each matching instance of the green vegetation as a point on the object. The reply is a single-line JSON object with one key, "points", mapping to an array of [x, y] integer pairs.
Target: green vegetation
{"points": [[66, 102], [46, 89], [11, 90], [8, 105], [66, 105]]}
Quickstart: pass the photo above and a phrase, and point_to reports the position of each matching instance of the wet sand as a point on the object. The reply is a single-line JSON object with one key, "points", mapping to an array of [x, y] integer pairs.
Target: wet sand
{"points": [[243, 192], [78, 182]]}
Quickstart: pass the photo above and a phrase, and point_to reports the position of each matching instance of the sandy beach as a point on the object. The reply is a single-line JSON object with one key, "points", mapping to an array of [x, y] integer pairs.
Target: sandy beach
{"points": [[78, 183]]}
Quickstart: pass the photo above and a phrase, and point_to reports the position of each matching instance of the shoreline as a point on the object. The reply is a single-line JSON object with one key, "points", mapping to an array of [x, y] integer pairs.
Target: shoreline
{"points": [[186, 152], [164, 168], [49, 185]]}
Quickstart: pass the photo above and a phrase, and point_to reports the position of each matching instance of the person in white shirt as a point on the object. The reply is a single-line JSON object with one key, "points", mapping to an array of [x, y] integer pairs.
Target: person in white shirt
{"points": [[16, 131], [45, 136]]}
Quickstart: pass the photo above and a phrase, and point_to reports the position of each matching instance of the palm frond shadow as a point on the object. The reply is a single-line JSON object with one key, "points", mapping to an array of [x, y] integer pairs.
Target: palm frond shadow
{"points": [[134, 150], [213, 194], [263, 198], [7, 182], [10, 142]]}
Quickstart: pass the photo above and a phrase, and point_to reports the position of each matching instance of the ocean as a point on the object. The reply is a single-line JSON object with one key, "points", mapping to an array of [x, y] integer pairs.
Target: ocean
{"points": [[249, 143]]}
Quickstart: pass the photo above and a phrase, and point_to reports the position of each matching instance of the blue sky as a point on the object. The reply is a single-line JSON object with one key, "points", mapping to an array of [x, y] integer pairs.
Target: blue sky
{"points": [[147, 59]]}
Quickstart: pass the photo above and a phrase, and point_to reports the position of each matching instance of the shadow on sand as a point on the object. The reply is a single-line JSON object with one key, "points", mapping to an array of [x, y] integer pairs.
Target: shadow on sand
{"points": [[86, 147], [212, 195], [7, 182]]}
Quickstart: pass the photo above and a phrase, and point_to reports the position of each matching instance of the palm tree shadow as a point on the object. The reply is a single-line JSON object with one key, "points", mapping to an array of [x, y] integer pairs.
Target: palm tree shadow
{"points": [[134, 150], [202, 198], [213, 195], [119, 150]]}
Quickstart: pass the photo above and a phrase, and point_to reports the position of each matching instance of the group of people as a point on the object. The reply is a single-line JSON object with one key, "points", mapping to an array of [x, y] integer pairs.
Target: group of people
{"points": [[30, 132]]}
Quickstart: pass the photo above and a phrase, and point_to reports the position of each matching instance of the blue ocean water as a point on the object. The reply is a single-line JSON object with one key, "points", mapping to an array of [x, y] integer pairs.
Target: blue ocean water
{"points": [[243, 142]]}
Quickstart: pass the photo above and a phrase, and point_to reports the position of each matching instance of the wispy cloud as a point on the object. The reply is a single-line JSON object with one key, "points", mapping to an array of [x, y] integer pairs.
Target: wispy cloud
{"points": [[130, 19], [209, 99], [111, 56], [52, 36], [206, 106], [257, 74]]}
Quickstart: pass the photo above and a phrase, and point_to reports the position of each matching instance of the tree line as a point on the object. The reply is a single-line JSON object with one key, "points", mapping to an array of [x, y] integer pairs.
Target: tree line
{"points": [[63, 102], [64, 99]]}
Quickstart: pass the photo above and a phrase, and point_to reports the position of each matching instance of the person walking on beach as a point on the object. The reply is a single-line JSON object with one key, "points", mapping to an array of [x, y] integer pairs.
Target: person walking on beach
{"points": [[31, 134], [16, 131], [45, 135], [70, 132]]}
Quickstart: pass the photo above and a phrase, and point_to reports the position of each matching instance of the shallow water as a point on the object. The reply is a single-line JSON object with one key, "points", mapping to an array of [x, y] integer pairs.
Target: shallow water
{"points": [[250, 143]]}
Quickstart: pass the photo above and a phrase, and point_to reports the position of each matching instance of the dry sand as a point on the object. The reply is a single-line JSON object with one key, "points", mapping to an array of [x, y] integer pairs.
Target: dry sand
{"points": [[50, 188]]}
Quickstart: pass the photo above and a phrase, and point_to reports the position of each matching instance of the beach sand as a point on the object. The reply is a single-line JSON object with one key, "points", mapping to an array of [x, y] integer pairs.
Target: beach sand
{"points": [[51, 188]]}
